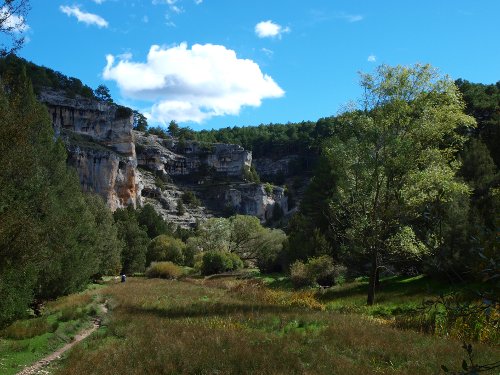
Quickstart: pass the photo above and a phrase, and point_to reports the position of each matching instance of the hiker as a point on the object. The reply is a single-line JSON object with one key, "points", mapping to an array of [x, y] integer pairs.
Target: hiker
{"points": [[124, 278]]}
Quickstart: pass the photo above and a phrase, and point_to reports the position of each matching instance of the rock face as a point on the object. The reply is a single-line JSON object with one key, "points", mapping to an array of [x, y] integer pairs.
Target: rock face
{"points": [[189, 157], [100, 144], [270, 167], [253, 199], [107, 154], [214, 172], [165, 199]]}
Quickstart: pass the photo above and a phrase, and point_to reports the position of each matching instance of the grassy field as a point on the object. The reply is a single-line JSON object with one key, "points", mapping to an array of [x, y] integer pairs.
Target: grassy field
{"points": [[229, 326], [26, 341]]}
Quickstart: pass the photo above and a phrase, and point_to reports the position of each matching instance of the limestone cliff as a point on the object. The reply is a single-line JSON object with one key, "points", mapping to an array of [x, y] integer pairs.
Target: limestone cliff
{"points": [[100, 145], [183, 158], [107, 154], [213, 171]]}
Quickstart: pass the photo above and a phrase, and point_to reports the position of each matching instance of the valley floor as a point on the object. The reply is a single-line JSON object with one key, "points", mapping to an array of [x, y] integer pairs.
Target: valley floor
{"points": [[231, 326]]}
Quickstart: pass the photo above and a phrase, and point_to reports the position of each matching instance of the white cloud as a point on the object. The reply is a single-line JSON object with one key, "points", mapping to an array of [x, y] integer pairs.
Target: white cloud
{"points": [[267, 51], [351, 17], [172, 4], [12, 22], [372, 58], [88, 18], [98, 1], [176, 9], [192, 84], [269, 29], [198, 2], [169, 21]]}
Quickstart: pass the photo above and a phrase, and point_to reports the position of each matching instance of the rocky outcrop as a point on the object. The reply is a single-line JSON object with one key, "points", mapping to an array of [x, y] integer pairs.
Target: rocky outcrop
{"points": [[107, 154], [184, 158], [214, 171], [270, 167], [100, 145], [165, 197], [253, 199]]}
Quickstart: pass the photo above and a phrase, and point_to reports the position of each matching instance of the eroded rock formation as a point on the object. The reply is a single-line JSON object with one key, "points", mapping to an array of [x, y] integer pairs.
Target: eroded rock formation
{"points": [[213, 171], [100, 144], [106, 153], [182, 158]]}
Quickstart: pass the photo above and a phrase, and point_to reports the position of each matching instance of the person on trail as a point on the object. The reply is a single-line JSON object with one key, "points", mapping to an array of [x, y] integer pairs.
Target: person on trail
{"points": [[124, 277]]}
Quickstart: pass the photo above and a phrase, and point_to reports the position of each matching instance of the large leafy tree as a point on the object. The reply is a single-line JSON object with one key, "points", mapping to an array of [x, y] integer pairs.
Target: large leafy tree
{"points": [[242, 235], [394, 167]]}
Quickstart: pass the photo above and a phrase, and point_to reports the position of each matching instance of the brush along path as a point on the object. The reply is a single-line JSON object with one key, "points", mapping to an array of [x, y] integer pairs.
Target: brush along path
{"points": [[44, 362]]}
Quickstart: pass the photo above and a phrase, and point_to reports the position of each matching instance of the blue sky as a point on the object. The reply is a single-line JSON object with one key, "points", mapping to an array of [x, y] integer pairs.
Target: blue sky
{"points": [[216, 63]]}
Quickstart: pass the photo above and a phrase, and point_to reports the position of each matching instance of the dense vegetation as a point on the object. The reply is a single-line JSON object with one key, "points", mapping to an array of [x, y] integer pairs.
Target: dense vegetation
{"points": [[42, 77], [53, 238], [396, 188]]}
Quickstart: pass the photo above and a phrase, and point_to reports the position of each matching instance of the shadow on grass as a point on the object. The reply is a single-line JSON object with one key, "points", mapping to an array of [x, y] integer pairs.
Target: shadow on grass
{"points": [[207, 310], [400, 285]]}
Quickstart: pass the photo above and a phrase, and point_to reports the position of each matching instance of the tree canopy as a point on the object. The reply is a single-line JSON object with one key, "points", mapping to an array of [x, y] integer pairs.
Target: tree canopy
{"points": [[390, 171]]}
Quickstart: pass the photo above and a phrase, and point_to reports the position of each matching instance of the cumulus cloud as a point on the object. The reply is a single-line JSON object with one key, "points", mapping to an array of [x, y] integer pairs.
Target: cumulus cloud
{"points": [[269, 29], [372, 58], [12, 22], [81, 16], [192, 84]]}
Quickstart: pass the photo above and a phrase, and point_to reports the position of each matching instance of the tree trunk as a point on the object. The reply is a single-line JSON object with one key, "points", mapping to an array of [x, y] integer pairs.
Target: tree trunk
{"points": [[373, 278]]}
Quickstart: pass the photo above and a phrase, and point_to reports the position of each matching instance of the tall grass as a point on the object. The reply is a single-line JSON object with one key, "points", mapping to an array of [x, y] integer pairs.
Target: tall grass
{"points": [[234, 327], [26, 341]]}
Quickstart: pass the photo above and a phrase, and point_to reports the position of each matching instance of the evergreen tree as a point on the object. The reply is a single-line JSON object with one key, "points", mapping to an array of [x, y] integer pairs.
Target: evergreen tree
{"points": [[135, 238], [102, 93], [49, 239]]}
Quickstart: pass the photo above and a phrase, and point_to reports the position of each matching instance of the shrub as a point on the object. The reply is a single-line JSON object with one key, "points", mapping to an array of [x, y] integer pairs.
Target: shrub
{"points": [[165, 248], [164, 270], [319, 270], [300, 276], [219, 261], [70, 313], [189, 198], [191, 251], [268, 188], [122, 112]]}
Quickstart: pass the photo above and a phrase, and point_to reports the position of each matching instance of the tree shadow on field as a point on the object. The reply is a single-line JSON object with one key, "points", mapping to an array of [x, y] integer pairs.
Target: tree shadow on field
{"points": [[207, 310]]}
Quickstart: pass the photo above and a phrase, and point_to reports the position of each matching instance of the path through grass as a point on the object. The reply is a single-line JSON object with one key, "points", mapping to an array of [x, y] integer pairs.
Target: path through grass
{"points": [[236, 327]]}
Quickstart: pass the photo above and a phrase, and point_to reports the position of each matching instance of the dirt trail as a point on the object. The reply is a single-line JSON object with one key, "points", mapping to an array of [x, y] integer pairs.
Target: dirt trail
{"points": [[44, 362]]}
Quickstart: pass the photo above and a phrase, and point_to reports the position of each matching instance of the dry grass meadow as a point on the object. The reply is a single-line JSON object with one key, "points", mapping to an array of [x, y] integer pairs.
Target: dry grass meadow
{"points": [[228, 326]]}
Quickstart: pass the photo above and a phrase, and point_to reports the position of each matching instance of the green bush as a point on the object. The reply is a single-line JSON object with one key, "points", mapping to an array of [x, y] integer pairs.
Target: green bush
{"points": [[164, 270], [320, 270], [268, 188], [165, 248], [214, 262], [191, 251], [300, 276], [189, 198]]}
